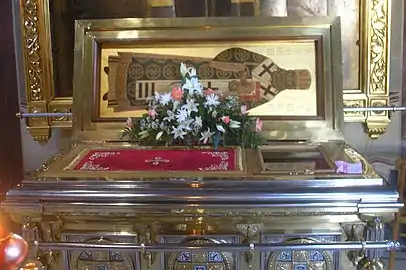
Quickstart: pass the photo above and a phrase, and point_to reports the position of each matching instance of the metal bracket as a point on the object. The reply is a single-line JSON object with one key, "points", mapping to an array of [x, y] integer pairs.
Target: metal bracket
{"points": [[21, 115]]}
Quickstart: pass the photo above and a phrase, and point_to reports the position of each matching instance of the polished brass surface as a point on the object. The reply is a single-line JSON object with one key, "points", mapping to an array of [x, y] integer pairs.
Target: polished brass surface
{"points": [[373, 18], [60, 217], [267, 201]]}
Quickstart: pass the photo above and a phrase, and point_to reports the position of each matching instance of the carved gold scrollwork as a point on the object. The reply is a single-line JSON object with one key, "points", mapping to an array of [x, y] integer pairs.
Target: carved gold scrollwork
{"points": [[32, 49], [37, 65], [377, 52], [378, 47], [355, 104]]}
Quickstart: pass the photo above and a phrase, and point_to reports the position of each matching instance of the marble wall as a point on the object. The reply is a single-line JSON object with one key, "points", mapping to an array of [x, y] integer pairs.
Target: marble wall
{"points": [[381, 152]]}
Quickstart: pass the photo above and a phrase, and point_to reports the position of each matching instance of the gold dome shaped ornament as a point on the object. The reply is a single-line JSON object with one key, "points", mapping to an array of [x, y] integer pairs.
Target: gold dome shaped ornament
{"points": [[32, 265], [369, 264], [14, 249]]}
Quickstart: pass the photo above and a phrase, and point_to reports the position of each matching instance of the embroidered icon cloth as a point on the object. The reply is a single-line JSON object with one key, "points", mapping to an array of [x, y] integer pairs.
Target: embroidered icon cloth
{"points": [[159, 160], [349, 167]]}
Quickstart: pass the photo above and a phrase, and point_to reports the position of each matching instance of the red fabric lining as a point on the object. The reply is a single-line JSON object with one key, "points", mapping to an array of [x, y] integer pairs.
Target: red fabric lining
{"points": [[170, 160]]}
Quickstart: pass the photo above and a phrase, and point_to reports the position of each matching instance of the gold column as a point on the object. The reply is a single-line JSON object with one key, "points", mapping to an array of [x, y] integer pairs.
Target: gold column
{"points": [[37, 59], [273, 8], [161, 8]]}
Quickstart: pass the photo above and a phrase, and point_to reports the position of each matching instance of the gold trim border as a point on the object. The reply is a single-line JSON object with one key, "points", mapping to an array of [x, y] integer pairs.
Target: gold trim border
{"points": [[37, 61]]}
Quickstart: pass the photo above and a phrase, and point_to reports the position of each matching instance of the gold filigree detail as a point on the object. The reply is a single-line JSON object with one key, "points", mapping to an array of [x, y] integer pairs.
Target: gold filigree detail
{"points": [[376, 132], [151, 213], [379, 47], [32, 50], [377, 104], [354, 104], [60, 105], [87, 259], [377, 51], [62, 118], [37, 121]]}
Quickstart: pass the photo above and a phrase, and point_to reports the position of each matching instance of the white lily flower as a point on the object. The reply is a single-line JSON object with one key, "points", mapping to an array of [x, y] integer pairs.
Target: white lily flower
{"points": [[193, 85], [170, 117], [178, 132], [192, 72], [186, 125], [212, 100], [181, 115], [183, 69], [198, 123], [165, 99], [188, 85], [206, 135], [220, 128], [197, 86], [190, 106]]}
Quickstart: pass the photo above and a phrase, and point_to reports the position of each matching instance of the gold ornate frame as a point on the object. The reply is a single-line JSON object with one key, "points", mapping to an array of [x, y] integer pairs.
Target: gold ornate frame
{"points": [[37, 62], [92, 37]]}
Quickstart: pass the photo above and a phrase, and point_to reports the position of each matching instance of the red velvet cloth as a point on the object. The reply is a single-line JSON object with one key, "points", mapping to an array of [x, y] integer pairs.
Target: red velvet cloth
{"points": [[159, 160]]}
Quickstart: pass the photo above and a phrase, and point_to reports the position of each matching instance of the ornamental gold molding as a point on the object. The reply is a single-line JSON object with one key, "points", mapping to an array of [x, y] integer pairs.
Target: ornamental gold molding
{"points": [[374, 68], [37, 61], [375, 28], [37, 64]]}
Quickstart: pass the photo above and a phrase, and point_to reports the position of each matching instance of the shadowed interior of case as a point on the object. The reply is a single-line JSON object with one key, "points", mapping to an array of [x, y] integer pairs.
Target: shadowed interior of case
{"points": [[296, 160]]}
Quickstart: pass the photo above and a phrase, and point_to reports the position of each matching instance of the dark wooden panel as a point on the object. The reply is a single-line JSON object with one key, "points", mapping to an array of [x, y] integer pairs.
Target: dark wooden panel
{"points": [[220, 8], [161, 8], [63, 15], [242, 8], [11, 162], [192, 8]]}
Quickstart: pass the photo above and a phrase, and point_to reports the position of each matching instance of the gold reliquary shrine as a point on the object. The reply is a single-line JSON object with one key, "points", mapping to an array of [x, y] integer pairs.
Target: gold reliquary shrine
{"points": [[202, 207]]}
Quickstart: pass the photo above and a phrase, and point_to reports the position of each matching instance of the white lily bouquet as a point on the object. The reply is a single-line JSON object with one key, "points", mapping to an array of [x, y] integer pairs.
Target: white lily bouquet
{"points": [[191, 115]]}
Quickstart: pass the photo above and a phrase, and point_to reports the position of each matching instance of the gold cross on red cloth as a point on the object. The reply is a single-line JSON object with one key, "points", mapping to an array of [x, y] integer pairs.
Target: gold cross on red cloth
{"points": [[157, 160]]}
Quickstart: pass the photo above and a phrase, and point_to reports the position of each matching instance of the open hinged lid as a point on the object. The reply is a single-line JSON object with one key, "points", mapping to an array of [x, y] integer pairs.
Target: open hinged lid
{"points": [[289, 68]]}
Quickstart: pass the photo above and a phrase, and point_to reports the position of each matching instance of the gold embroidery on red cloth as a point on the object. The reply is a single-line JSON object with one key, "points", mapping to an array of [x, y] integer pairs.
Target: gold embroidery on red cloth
{"points": [[223, 155], [223, 166], [90, 166], [156, 161], [97, 155]]}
